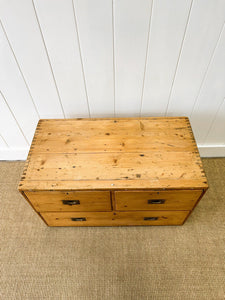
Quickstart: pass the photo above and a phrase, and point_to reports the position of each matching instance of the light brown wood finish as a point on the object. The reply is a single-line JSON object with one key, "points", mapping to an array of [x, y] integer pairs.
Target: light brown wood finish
{"points": [[113, 143], [161, 151], [157, 184], [157, 200], [138, 156], [70, 201], [115, 218], [116, 166], [120, 135]]}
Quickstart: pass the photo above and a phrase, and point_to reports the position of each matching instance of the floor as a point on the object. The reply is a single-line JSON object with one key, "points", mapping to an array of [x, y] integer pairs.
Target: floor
{"points": [[181, 262]]}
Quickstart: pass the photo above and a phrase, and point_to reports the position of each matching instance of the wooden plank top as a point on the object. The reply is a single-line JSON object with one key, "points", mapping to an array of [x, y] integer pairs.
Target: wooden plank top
{"points": [[116, 153]]}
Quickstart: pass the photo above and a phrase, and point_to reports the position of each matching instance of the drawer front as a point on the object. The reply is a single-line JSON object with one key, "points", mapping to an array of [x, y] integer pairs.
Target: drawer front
{"points": [[115, 219], [70, 201], [157, 200]]}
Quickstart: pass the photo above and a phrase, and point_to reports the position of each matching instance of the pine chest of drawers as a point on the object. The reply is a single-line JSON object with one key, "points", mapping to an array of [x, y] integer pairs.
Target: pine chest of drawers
{"points": [[113, 172]]}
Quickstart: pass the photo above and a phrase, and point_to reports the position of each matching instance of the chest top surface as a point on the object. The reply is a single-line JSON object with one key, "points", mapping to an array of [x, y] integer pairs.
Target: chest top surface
{"points": [[117, 153]]}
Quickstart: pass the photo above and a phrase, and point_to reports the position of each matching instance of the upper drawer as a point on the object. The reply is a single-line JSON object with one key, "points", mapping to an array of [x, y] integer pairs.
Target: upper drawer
{"points": [[153, 200], [70, 201]]}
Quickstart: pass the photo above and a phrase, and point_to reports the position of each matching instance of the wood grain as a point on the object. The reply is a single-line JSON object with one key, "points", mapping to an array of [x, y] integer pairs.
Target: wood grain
{"points": [[114, 166], [69, 143], [104, 172], [53, 201], [139, 153], [115, 218], [154, 184], [170, 200]]}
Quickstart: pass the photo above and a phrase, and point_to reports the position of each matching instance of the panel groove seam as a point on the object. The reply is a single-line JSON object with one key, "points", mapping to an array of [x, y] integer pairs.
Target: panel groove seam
{"points": [[48, 58], [14, 117], [146, 56], [81, 59], [179, 56], [207, 69], [4, 140], [20, 70], [213, 121]]}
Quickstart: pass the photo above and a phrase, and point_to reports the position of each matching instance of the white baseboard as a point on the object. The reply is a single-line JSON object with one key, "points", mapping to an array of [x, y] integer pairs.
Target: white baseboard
{"points": [[21, 153], [14, 153], [211, 150]]}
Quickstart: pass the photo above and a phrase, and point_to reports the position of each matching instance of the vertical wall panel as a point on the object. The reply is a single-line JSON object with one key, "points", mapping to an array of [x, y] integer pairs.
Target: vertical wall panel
{"points": [[81, 58], [14, 89], [212, 93], [216, 133], [131, 19], [205, 24], [60, 36], [94, 21], [3, 144], [8, 127], [168, 22], [19, 21]]}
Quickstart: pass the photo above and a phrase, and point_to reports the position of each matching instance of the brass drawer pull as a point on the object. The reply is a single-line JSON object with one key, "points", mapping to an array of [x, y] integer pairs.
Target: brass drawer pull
{"points": [[78, 219], [71, 202], [150, 218], [156, 201]]}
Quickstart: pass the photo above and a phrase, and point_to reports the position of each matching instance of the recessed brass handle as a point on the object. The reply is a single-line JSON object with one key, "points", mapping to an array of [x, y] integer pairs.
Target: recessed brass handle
{"points": [[78, 219], [150, 218], [71, 202], [156, 201]]}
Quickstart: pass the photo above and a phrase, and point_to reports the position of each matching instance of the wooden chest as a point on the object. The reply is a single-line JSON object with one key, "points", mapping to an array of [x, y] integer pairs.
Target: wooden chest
{"points": [[112, 172]]}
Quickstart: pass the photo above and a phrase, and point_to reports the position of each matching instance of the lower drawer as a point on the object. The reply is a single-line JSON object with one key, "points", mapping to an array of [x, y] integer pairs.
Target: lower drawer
{"points": [[114, 218]]}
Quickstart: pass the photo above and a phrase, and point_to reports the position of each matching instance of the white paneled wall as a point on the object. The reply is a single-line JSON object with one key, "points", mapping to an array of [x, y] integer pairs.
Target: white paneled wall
{"points": [[168, 26], [58, 26], [105, 58], [131, 34], [203, 30]]}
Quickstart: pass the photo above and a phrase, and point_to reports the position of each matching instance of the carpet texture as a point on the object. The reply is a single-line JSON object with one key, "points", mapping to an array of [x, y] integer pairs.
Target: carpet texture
{"points": [[181, 262]]}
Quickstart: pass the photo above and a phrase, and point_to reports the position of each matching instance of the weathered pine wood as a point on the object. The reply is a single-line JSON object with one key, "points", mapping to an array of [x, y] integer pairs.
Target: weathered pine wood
{"points": [[155, 166], [160, 200], [63, 201], [154, 149], [113, 185], [115, 126], [113, 166], [113, 143], [107, 171], [115, 218], [94, 136]]}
